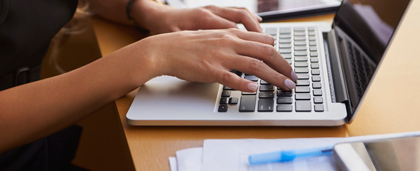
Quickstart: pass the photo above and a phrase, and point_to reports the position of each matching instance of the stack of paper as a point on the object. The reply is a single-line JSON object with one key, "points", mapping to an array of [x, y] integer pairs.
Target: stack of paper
{"points": [[232, 155]]}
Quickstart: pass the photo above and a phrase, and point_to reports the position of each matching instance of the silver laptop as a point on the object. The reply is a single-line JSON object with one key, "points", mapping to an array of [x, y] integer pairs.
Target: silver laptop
{"points": [[335, 65]]}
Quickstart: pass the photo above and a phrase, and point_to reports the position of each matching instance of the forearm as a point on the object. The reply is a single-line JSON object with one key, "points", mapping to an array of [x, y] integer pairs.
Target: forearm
{"points": [[38, 109], [115, 10]]}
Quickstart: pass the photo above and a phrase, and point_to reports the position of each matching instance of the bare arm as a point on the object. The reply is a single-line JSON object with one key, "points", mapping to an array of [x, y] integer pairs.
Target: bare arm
{"points": [[31, 111], [162, 18], [35, 110]]}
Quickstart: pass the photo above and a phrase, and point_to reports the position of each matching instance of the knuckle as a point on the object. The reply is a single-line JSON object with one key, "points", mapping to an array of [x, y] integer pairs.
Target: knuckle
{"points": [[255, 65], [210, 7], [269, 52], [203, 12], [227, 40], [233, 31], [268, 38], [243, 13], [226, 77]]}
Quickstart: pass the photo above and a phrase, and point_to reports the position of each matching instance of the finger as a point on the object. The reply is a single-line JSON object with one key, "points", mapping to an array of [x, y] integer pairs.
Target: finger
{"points": [[262, 70], [268, 54], [212, 21], [232, 80], [259, 19], [237, 15], [253, 36]]}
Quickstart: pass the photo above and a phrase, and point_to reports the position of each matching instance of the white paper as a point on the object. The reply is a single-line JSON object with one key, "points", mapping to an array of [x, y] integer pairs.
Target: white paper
{"points": [[172, 164], [189, 159], [231, 155]]}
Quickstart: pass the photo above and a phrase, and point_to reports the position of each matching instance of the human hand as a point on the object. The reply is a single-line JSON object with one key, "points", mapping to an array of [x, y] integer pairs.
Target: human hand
{"points": [[164, 19], [210, 55]]}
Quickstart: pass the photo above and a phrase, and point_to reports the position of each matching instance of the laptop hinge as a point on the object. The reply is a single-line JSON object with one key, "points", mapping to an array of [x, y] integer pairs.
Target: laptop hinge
{"points": [[336, 69]]}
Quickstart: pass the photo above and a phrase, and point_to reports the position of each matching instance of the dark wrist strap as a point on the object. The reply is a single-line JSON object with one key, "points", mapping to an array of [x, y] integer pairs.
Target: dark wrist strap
{"points": [[128, 9]]}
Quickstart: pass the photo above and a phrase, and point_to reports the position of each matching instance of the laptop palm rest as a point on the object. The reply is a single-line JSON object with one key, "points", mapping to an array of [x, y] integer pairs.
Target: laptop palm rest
{"points": [[174, 99]]}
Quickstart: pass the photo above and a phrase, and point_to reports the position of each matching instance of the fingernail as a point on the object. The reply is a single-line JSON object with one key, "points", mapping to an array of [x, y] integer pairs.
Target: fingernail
{"points": [[290, 84], [252, 87], [294, 76]]}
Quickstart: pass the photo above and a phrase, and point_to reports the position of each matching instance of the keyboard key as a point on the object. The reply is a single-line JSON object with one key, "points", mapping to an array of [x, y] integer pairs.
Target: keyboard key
{"points": [[238, 73], [300, 48], [247, 103], [251, 78], [300, 43], [302, 82], [225, 93], [315, 71], [318, 100], [265, 105], [223, 108], [284, 100], [297, 34], [284, 108], [302, 96], [303, 76], [285, 51], [303, 106], [227, 88], [285, 30], [312, 38], [303, 38], [224, 100], [299, 29], [314, 65], [316, 85], [233, 100], [285, 36], [266, 95], [264, 82], [285, 41], [311, 29], [281, 93], [319, 108], [301, 59], [271, 31], [317, 92], [288, 46], [301, 64], [313, 48], [312, 43], [266, 88], [289, 61], [249, 93], [302, 89], [314, 54], [314, 60], [301, 70], [316, 78], [301, 53], [287, 56]]}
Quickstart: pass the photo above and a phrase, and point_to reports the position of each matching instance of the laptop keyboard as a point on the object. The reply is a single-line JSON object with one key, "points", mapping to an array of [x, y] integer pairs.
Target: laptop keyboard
{"points": [[299, 47]]}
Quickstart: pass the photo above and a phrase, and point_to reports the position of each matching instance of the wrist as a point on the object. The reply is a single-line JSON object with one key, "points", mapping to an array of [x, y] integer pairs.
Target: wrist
{"points": [[145, 13]]}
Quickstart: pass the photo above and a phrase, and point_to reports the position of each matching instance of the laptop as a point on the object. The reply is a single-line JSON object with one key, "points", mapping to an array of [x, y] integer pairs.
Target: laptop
{"points": [[268, 9], [335, 66]]}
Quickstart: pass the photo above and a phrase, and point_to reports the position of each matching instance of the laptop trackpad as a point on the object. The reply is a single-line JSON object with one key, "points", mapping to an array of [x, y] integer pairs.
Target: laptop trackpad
{"points": [[172, 97]]}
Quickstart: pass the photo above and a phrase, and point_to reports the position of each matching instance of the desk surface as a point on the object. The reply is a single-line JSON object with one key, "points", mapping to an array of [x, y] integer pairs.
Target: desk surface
{"points": [[388, 107]]}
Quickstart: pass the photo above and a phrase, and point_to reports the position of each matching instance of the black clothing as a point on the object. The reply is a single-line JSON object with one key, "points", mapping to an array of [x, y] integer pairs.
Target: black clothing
{"points": [[26, 29]]}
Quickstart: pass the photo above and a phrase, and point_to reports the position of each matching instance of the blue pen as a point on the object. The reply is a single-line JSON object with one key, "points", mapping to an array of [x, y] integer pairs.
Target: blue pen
{"points": [[287, 155]]}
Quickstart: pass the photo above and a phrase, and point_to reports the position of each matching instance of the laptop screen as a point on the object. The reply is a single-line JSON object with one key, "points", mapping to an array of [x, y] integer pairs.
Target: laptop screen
{"points": [[364, 30]]}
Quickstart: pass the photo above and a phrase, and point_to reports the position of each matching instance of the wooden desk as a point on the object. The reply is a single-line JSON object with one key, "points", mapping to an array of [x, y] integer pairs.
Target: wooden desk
{"points": [[388, 107]]}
